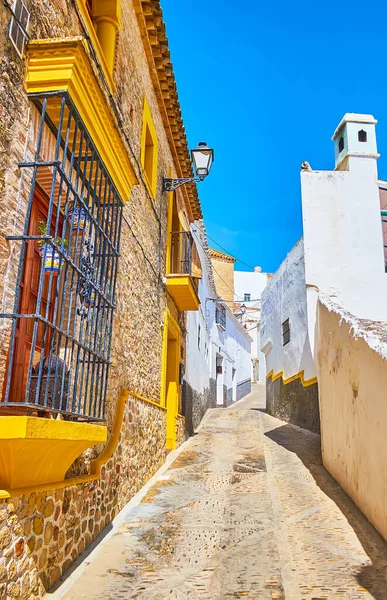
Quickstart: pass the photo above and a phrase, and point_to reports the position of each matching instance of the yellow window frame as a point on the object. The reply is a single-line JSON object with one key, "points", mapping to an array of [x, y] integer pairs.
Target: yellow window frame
{"points": [[148, 134], [111, 9]]}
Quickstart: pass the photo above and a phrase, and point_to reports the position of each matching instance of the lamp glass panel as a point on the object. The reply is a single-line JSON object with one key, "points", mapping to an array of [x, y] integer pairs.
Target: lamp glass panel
{"points": [[202, 159]]}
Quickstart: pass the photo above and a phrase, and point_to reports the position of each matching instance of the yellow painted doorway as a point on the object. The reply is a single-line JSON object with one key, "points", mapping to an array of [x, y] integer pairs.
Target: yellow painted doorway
{"points": [[170, 383]]}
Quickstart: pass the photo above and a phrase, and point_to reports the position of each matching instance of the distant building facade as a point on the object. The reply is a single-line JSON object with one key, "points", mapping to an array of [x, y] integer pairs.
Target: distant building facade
{"points": [[248, 288], [217, 371]]}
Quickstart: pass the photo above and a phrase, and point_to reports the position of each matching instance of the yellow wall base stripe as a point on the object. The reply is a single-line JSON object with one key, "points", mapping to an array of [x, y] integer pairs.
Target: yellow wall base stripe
{"points": [[300, 375]]}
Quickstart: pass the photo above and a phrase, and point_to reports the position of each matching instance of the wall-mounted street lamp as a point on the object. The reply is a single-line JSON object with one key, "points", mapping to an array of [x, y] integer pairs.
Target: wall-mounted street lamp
{"points": [[202, 157]]}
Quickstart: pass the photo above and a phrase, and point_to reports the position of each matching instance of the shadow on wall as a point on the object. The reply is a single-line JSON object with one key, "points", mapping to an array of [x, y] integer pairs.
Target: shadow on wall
{"points": [[373, 577]]}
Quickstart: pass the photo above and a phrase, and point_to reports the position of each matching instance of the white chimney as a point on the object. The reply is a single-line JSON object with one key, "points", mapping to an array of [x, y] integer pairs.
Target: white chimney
{"points": [[354, 139]]}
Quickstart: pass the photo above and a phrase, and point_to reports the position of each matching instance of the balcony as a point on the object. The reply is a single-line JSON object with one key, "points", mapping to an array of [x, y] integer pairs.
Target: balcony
{"points": [[182, 277]]}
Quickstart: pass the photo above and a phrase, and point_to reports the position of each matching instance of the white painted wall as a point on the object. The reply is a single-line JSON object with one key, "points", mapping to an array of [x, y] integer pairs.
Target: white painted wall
{"points": [[344, 255], [352, 379], [232, 344], [252, 283], [285, 298]]}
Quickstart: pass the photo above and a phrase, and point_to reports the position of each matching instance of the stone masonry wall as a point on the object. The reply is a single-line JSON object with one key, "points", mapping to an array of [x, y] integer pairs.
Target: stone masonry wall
{"points": [[224, 278], [294, 403], [197, 404], [42, 533]]}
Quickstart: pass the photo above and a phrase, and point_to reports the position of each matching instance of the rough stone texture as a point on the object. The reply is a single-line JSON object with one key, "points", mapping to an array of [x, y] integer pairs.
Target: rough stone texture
{"points": [[137, 341], [294, 403], [223, 269], [196, 404], [243, 388], [245, 511], [41, 534]]}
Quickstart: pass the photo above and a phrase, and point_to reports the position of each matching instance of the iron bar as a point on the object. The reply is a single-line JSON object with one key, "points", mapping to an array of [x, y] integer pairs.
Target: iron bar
{"points": [[68, 365]]}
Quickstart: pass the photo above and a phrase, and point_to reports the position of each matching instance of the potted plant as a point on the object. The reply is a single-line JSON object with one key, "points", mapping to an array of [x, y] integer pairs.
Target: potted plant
{"points": [[77, 217], [51, 258]]}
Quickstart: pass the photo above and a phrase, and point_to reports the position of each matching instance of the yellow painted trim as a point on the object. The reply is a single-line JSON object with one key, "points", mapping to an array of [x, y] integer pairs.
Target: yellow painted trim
{"points": [[23, 427], [96, 464], [35, 451], [300, 375], [170, 399], [179, 416], [147, 123], [190, 299], [147, 400], [106, 63], [64, 65]]}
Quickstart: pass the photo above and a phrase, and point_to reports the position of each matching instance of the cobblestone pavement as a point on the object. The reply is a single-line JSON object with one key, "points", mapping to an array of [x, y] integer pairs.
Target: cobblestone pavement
{"points": [[245, 511]]}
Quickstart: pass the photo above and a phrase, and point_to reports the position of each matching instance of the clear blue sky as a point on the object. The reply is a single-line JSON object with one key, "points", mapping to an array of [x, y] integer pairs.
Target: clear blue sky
{"points": [[266, 84]]}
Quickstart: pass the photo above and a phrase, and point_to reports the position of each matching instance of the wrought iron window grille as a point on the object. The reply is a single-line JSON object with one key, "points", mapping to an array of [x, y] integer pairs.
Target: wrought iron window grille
{"points": [[182, 252], [70, 317], [220, 315]]}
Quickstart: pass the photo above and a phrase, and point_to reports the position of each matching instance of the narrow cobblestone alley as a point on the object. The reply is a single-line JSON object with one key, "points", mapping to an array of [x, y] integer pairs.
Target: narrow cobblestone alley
{"points": [[245, 510]]}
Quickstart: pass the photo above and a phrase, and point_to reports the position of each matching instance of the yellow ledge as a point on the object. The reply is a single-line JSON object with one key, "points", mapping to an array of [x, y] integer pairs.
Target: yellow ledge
{"points": [[35, 451], [64, 64], [96, 465], [300, 375], [183, 292], [147, 400]]}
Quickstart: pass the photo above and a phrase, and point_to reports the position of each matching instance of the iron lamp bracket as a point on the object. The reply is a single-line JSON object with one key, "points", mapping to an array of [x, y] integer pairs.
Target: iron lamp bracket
{"points": [[171, 184]]}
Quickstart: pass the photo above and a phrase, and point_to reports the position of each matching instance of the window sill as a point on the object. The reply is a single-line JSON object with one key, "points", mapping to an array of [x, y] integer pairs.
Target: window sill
{"points": [[36, 451]]}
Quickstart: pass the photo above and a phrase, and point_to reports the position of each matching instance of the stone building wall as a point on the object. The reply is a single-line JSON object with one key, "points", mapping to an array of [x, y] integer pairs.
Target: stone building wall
{"points": [[42, 532], [223, 271]]}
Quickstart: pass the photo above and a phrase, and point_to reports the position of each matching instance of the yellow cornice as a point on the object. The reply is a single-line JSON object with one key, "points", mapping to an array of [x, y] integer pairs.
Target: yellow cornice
{"points": [[63, 64], [300, 375], [152, 28]]}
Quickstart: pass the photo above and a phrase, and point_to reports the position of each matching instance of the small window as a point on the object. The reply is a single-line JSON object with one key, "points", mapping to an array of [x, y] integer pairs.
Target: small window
{"points": [[285, 332], [362, 135], [220, 316], [199, 337], [247, 297], [18, 26], [341, 144], [149, 150]]}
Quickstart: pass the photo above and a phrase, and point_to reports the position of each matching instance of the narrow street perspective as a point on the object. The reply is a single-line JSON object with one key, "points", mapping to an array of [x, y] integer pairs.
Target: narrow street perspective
{"points": [[246, 510], [193, 334]]}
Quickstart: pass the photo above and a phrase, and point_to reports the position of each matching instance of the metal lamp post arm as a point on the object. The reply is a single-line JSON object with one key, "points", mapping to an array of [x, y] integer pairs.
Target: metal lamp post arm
{"points": [[170, 184]]}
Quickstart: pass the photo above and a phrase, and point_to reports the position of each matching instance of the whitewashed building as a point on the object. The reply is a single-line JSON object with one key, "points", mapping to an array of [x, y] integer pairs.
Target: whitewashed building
{"points": [[218, 353], [248, 288], [341, 256]]}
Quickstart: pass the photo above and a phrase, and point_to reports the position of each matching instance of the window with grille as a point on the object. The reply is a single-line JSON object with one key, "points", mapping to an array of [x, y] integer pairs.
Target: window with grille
{"points": [[220, 315], [18, 26], [285, 332], [59, 353]]}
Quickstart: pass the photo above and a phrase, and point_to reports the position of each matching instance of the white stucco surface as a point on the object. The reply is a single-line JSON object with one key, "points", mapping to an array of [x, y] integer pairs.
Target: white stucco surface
{"points": [[232, 345], [352, 378], [253, 283], [285, 298], [344, 254]]}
